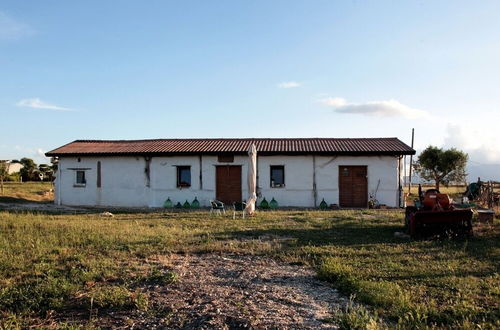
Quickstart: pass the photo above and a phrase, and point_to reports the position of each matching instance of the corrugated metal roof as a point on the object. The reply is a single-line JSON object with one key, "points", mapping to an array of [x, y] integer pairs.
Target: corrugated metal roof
{"points": [[392, 146]]}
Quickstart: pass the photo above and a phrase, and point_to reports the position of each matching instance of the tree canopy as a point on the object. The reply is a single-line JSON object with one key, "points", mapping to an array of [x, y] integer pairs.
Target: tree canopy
{"points": [[442, 166], [29, 169], [4, 171]]}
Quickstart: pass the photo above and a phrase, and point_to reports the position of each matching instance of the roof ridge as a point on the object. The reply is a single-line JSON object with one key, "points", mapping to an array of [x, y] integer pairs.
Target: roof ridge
{"points": [[392, 146], [231, 139]]}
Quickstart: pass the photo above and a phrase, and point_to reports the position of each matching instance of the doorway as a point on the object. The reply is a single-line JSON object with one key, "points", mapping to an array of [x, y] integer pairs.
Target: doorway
{"points": [[353, 186], [228, 184]]}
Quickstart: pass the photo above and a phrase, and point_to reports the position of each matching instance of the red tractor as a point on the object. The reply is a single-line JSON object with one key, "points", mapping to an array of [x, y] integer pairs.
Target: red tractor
{"points": [[434, 215]]}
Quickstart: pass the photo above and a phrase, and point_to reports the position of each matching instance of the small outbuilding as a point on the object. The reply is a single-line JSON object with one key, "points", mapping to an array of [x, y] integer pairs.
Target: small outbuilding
{"points": [[298, 172]]}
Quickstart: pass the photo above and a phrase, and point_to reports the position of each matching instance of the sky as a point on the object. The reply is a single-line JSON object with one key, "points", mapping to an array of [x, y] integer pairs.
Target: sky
{"points": [[177, 69]]}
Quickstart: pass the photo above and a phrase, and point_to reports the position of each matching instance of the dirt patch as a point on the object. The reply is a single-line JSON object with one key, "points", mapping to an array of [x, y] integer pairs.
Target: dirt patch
{"points": [[233, 292]]}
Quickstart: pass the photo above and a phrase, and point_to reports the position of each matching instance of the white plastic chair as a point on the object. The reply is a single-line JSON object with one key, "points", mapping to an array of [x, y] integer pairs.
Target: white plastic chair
{"points": [[217, 207], [239, 206]]}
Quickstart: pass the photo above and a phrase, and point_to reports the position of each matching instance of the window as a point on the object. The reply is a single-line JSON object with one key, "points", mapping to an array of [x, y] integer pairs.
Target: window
{"points": [[183, 176], [80, 178], [277, 176], [225, 158]]}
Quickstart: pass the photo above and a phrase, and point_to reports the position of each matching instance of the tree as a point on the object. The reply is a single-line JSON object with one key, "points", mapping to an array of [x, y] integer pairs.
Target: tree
{"points": [[4, 171], [29, 169], [442, 166], [46, 171]]}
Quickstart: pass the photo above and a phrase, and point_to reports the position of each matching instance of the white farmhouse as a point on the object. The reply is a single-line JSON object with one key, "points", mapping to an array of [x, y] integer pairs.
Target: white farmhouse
{"points": [[295, 172]]}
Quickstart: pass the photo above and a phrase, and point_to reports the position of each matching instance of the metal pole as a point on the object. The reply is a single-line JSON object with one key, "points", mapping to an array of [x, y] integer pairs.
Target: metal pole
{"points": [[411, 160], [315, 191]]}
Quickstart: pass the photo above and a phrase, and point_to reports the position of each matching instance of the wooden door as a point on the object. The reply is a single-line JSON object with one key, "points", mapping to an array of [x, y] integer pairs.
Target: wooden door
{"points": [[228, 184], [353, 186]]}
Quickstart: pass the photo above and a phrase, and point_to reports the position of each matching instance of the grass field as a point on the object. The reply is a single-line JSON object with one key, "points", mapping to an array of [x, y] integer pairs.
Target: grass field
{"points": [[27, 192], [52, 264]]}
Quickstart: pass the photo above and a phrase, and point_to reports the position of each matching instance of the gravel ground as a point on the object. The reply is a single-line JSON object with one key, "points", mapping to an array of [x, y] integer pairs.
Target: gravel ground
{"points": [[234, 292]]}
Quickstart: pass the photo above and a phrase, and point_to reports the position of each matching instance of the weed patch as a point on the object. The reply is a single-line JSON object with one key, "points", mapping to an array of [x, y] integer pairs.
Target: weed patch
{"points": [[357, 317], [110, 297]]}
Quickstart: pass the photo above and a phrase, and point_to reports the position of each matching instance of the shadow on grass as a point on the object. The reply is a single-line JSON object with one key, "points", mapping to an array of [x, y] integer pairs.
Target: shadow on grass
{"points": [[18, 200], [346, 235], [351, 234]]}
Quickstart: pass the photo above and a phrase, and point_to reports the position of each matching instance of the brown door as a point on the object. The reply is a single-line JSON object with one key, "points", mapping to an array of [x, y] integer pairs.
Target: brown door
{"points": [[228, 184], [353, 186]]}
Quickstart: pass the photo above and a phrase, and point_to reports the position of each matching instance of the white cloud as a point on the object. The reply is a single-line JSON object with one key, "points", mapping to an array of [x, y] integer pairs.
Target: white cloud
{"points": [[390, 108], [289, 84], [40, 152], [10, 29], [36, 103], [482, 147], [335, 102], [20, 151]]}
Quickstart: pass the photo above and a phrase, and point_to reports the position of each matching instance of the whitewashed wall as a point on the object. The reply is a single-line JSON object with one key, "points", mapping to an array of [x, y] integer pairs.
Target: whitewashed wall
{"points": [[124, 180], [383, 168]]}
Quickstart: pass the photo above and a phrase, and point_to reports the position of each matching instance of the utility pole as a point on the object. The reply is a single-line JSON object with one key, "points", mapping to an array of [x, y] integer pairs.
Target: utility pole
{"points": [[411, 160]]}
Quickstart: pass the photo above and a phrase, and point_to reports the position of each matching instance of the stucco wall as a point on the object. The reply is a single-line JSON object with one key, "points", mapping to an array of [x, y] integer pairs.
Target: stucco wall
{"points": [[384, 169], [124, 180]]}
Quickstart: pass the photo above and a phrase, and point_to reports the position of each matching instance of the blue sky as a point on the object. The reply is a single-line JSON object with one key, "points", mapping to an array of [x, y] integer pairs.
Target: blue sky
{"points": [[166, 69]]}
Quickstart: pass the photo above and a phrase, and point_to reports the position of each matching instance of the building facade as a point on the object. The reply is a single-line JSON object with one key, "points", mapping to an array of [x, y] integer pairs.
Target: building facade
{"points": [[295, 172]]}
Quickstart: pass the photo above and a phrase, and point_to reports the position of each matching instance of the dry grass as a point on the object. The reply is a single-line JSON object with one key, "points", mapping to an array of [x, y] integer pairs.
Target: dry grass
{"points": [[27, 192], [54, 264]]}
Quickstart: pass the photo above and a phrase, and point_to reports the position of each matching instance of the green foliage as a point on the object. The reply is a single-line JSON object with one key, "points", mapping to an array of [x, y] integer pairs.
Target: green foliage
{"points": [[47, 171], [14, 177], [442, 166], [29, 170], [4, 171]]}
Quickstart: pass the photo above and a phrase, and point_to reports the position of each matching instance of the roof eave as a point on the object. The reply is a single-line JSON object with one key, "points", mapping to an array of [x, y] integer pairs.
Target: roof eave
{"points": [[263, 153]]}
